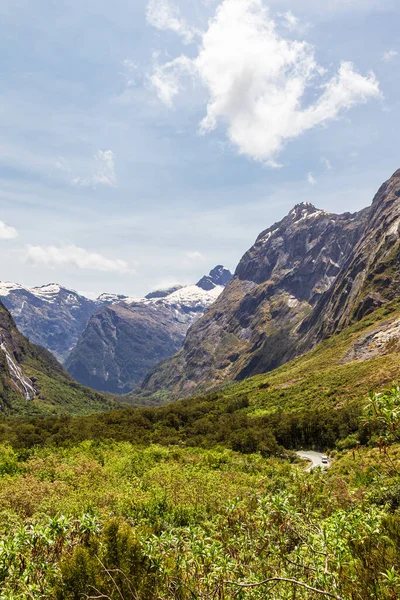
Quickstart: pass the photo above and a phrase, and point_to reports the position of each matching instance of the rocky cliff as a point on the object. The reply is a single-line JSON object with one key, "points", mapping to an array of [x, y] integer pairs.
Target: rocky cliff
{"points": [[122, 342], [371, 275], [252, 327]]}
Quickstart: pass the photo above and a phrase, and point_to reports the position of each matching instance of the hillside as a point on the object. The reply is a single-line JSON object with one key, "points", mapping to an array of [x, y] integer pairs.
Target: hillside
{"points": [[33, 382]]}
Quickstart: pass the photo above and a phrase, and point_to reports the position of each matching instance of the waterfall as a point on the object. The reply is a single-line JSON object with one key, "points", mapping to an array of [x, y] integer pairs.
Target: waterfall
{"points": [[17, 375]]}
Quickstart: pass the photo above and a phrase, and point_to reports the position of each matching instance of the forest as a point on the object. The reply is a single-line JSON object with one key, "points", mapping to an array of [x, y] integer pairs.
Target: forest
{"points": [[145, 515]]}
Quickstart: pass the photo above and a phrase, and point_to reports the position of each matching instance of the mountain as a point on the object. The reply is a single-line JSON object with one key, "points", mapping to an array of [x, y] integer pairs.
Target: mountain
{"points": [[122, 342], [371, 276], [252, 327], [33, 382], [51, 315]]}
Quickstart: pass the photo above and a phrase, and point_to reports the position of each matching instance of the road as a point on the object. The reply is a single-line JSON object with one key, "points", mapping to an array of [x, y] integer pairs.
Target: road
{"points": [[314, 457]]}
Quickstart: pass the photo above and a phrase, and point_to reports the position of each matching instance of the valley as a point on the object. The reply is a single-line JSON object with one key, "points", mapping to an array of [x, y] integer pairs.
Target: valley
{"points": [[194, 483]]}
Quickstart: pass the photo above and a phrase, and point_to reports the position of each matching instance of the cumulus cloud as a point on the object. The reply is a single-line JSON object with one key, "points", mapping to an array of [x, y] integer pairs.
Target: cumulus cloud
{"points": [[163, 15], [389, 55], [54, 256], [256, 81], [7, 232], [103, 172]]}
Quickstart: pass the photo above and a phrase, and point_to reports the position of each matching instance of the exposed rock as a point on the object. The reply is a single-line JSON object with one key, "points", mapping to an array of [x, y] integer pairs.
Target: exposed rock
{"points": [[383, 339], [218, 276], [371, 275]]}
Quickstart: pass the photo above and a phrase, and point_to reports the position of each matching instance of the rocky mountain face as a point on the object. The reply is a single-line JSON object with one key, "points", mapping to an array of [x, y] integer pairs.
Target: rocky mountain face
{"points": [[51, 316], [371, 275], [253, 326], [34, 382], [122, 342]]}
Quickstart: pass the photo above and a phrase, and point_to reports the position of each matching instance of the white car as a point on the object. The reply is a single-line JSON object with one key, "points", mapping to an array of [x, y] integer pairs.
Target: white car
{"points": [[325, 460]]}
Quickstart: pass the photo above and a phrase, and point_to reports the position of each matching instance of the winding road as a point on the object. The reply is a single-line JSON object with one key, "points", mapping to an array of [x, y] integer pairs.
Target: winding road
{"points": [[314, 457]]}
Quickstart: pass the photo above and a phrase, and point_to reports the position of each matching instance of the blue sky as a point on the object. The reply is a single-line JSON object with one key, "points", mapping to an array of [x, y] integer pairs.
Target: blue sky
{"points": [[144, 142]]}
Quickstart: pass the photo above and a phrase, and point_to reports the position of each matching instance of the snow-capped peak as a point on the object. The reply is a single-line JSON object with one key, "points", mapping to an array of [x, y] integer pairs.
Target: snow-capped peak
{"points": [[6, 287], [48, 290], [111, 298]]}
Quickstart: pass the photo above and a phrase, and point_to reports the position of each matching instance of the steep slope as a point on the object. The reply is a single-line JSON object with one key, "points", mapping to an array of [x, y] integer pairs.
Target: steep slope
{"points": [[252, 326], [33, 382], [371, 276], [51, 315], [123, 341]]}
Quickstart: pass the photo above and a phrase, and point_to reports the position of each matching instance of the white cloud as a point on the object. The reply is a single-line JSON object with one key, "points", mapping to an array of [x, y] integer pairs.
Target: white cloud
{"points": [[7, 232], [311, 179], [256, 81], [166, 78], [195, 255], [163, 15], [53, 256], [103, 172], [389, 55]]}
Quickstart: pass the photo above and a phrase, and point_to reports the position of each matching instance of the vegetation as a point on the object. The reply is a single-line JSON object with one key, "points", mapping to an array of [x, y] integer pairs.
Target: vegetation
{"points": [[108, 519]]}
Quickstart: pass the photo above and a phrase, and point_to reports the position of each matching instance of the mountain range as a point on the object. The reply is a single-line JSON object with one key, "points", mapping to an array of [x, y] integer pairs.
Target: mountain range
{"points": [[308, 278], [51, 315], [123, 341]]}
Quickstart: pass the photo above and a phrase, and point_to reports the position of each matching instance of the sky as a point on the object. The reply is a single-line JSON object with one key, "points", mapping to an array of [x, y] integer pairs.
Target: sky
{"points": [[142, 142]]}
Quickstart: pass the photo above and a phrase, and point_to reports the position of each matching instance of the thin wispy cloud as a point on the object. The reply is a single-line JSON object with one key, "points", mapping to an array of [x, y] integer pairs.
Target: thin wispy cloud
{"points": [[130, 72], [7, 232], [194, 255], [256, 80], [289, 20], [71, 255], [389, 55], [164, 15], [103, 171], [326, 163], [311, 179]]}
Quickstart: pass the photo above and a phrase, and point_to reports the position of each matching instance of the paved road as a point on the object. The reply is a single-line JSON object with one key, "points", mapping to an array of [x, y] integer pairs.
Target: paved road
{"points": [[314, 457]]}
